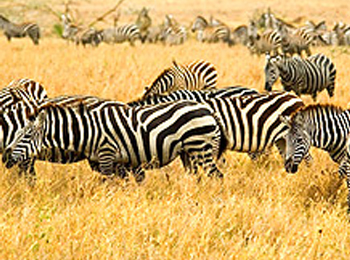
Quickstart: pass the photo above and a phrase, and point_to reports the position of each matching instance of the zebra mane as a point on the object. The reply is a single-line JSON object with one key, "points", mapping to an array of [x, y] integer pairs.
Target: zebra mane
{"points": [[159, 78], [4, 18], [307, 110]]}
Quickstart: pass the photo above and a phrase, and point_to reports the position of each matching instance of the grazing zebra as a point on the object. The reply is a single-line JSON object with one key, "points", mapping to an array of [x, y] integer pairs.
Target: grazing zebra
{"points": [[210, 32], [123, 33], [195, 76], [110, 134], [250, 120], [268, 42], [294, 41], [172, 33], [303, 76], [79, 35], [342, 33], [12, 30], [239, 35], [323, 126]]}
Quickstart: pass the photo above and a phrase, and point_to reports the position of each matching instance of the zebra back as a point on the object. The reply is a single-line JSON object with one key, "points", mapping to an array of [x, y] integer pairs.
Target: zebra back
{"points": [[195, 76], [200, 96]]}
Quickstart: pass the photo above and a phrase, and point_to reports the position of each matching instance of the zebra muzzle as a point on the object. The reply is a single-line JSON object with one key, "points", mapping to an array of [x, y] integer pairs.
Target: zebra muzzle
{"points": [[290, 166], [267, 86]]}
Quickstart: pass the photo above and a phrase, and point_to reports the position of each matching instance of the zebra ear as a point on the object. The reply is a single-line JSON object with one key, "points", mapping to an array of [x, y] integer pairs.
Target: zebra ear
{"points": [[286, 120]]}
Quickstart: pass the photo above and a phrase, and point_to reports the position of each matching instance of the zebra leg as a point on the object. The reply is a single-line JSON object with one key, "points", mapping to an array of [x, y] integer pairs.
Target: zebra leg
{"points": [[314, 96], [206, 161], [8, 36]]}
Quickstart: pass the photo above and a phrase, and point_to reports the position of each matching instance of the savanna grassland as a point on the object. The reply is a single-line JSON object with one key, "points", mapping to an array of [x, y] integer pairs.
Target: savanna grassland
{"points": [[258, 211]]}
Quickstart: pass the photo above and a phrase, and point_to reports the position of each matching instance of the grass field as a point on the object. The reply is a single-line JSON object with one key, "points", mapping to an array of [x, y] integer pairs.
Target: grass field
{"points": [[258, 211]]}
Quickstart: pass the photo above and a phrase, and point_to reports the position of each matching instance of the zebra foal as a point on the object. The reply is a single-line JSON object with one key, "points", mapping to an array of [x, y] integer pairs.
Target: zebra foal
{"points": [[110, 135], [303, 76]]}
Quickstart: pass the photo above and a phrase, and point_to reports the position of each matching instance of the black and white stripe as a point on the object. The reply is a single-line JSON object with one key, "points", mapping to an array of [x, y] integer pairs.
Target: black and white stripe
{"points": [[123, 33], [303, 76], [12, 30], [250, 120], [80, 35], [172, 32], [210, 32], [268, 42], [110, 134], [30, 92], [195, 76], [323, 126]]}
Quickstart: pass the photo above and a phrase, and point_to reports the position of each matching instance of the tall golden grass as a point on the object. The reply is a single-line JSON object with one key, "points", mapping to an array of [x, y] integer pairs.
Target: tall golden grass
{"points": [[258, 211]]}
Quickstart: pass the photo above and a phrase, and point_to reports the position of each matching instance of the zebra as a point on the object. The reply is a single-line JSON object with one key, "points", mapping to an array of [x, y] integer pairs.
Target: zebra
{"points": [[27, 90], [123, 33], [195, 76], [79, 35], [323, 126], [172, 32], [110, 134], [239, 35], [342, 33], [268, 42], [294, 41], [144, 22], [210, 32], [12, 30], [303, 76], [250, 120]]}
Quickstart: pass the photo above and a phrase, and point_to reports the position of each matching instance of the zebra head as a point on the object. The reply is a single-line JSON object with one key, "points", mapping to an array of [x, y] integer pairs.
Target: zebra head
{"points": [[27, 144], [69, 29], [298, 141], [199, 24], [271, 70]]}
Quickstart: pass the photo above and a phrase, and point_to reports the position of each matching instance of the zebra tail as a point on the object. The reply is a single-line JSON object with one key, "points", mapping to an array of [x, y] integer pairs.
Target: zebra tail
{"points": [[224, 141]]}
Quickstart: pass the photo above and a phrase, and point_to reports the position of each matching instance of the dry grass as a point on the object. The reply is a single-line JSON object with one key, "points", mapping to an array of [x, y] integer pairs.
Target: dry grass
{"points": [[258, 212]]}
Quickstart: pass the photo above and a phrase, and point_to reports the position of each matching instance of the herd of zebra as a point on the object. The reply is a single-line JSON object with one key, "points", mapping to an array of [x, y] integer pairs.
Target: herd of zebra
{"points": [[267, 33], [181, 114]]}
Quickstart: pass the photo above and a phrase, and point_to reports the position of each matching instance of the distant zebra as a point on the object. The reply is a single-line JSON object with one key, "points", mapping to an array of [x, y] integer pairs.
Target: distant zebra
{"points": [[123, 33], [110, 134], [303, 76], [12, 30], [250, 120], [267, 42], [80, 35], [143, 22], [323, 126], [172, 32], [208, 32], [342, 33], [239, 35], [295, 41], [195, 76]]}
